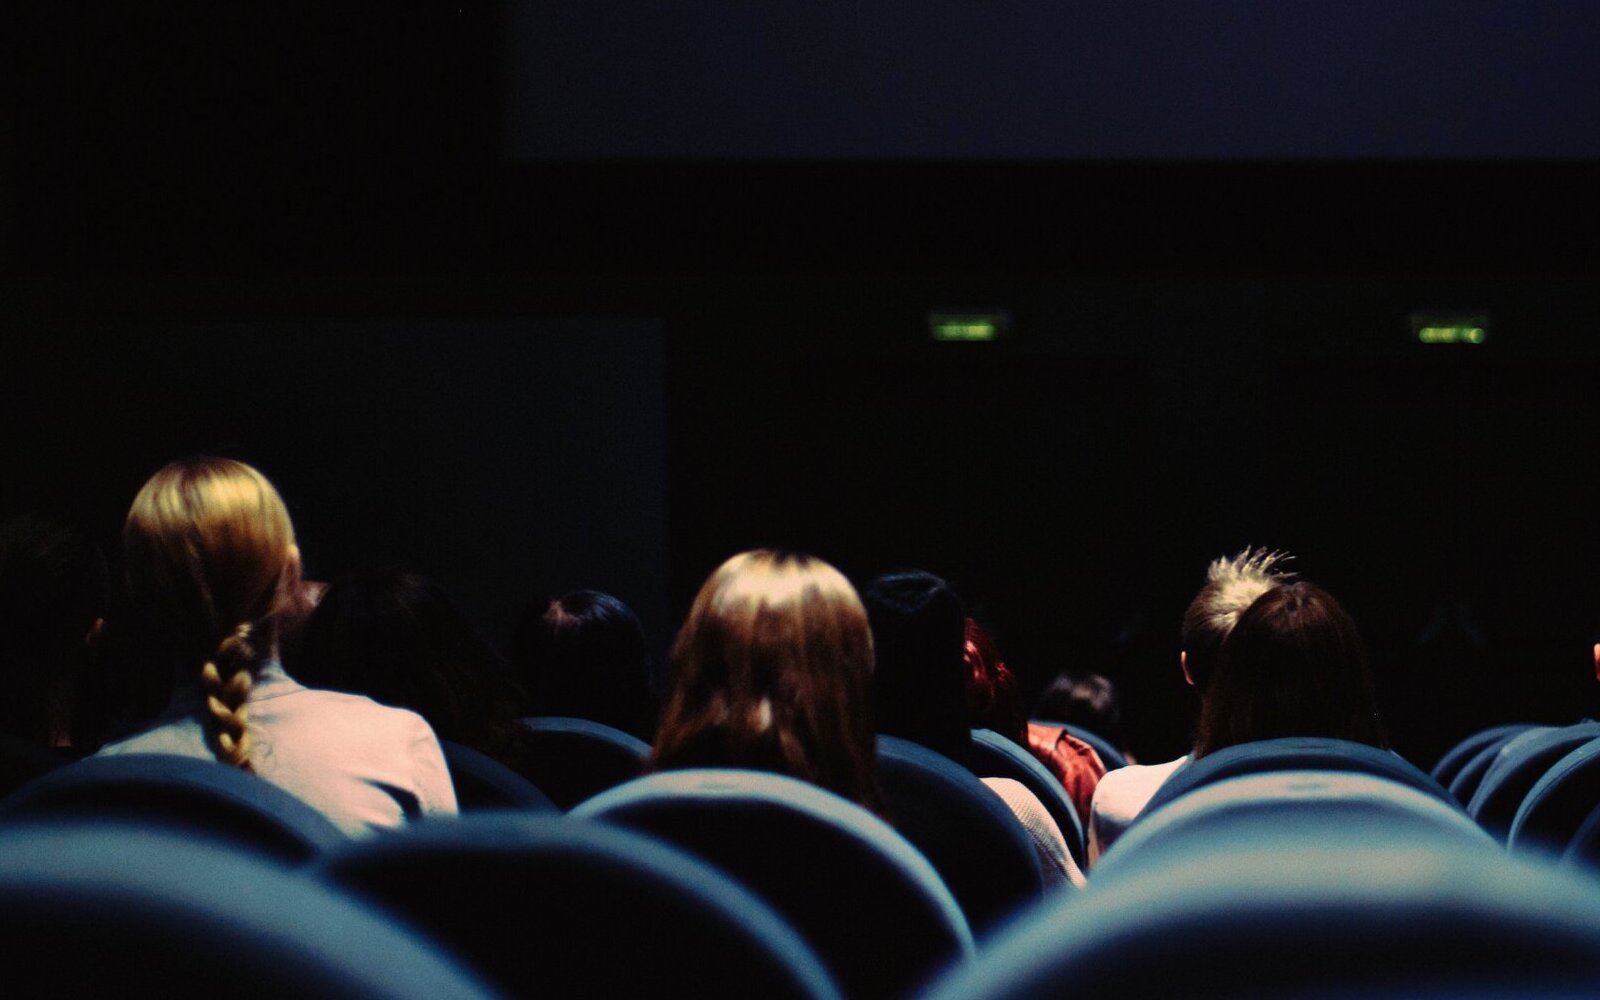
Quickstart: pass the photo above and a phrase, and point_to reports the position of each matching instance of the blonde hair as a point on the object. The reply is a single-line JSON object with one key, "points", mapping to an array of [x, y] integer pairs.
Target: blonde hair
{"points": [[210, 556], [1232, 584], [772, 670]]}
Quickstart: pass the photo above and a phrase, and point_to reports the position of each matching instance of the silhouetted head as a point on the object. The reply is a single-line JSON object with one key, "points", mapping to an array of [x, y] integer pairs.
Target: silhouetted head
{"points": [[53, 593], [919, 687], [770, 671], [1089, 701], [1293, 665], [1232, 584], [583, 655], [399, 639]]}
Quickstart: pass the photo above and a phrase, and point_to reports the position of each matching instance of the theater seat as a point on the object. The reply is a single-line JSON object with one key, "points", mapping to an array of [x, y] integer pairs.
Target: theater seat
{"points": [[1519, 765], [118, 910], [1456, 758], [869, 904], [484, 783], [1558, 803], [188, 794], [573, 759], [1465, 784], [994, 756], [1287, 913], [1294, 753], [549, 905], [972, 838], [1318, 805]]}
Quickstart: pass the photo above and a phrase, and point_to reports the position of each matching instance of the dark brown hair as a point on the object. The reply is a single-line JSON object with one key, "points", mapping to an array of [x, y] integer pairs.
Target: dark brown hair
{"points": [[1293, 665], [771, 671]]}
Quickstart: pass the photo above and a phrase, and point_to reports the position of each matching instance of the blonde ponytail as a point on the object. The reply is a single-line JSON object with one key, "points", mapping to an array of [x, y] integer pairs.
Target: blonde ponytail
{"points": [[226, 699]]}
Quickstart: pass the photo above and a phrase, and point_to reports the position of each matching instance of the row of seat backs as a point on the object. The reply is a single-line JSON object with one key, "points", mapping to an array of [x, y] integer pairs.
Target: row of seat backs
{"points": [[1315, 900], [971, 837], [111, 909], [774, 833], [1533, 787], [1254, 878]]}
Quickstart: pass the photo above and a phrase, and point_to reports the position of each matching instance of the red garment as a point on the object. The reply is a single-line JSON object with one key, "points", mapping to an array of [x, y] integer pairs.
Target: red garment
{"points": [[1074, 763]]}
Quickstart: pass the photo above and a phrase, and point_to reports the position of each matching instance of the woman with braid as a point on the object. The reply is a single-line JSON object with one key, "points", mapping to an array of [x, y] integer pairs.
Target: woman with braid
{"points": [[213, 571]]}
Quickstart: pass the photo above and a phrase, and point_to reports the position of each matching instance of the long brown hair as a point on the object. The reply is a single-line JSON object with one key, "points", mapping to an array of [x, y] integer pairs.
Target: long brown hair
{"points": [[1293, 665], [211, 560], [771, 671]]}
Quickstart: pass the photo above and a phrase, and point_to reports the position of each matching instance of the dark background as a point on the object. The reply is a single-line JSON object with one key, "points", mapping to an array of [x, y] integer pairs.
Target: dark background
{"points": [[373, 251]]}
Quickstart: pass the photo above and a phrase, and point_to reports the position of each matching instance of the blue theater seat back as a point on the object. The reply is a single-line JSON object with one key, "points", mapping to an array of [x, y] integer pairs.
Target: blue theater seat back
{"points": [[115, 909], [188, 793], [1456, 758], [1558, 803], [484, 783], [1294, 753], [1283, 915], [560, 906], [994, 756], [1314, 805], [1517, 767], [1110, 756], [573, 759], [970, 835], [864, 898]]}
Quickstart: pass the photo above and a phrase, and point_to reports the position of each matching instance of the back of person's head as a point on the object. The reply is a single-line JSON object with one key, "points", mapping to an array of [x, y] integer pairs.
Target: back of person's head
{"points": [[919, 686], [399, 639], [1089, 701], [212, 565], [771, 671], [993, 699], [583, 655], [1232, 585], [1293, 665], [53, 594]]}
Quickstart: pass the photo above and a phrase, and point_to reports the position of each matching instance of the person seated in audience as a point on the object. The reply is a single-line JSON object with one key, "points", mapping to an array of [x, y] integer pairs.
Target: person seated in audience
{"points": [[771, 671], [1293, 665], [1232, 585], [583, 655], [993, 702], [920, 693], [1088, 701], [399, 639], [213, 570], [53, 592]]}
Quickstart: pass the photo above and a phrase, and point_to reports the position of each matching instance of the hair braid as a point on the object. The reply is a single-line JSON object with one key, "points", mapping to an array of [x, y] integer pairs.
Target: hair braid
{"points": [[225, 698]]}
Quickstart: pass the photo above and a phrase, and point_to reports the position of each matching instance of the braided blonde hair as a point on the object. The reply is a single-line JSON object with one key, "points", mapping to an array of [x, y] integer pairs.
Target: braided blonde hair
{"points": [[210, 554]]}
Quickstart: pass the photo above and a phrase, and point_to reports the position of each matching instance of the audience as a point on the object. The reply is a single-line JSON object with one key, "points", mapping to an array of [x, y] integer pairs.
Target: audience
{"points": [[399, 639], [1293, 665], [771, 671], [921, 693], [1232, 585], [213, 570], [1088, 701], [583, 655], [995, 703]]}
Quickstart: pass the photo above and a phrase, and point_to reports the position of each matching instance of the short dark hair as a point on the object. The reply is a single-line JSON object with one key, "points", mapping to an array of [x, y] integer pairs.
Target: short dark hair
{"points": [[584, 655], [400, 639], [919, 683], [1293, 665]]}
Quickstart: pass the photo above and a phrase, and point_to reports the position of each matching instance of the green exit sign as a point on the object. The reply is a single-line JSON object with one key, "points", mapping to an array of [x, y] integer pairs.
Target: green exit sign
{"points": [[968, 327], [1431, 328]]}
